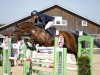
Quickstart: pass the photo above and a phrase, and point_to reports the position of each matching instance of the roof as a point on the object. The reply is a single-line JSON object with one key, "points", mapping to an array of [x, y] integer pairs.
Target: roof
{"points": [[45, 9], [71, 11], [79, 14]]}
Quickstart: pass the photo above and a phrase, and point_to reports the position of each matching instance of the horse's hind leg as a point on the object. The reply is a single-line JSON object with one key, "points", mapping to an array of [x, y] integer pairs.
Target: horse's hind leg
{"points": [[72, 52], [75, 55], [30, 49]]}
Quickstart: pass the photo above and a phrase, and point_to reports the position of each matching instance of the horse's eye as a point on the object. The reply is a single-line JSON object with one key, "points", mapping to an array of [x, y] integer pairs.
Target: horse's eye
{"points": [[16, 30], [33, 31]]}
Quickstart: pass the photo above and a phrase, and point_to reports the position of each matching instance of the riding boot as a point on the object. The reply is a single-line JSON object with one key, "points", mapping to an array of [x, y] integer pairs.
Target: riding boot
{"points": [[50, 32]]}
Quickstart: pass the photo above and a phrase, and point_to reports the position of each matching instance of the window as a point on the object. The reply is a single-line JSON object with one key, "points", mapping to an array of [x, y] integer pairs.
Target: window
{"points": [[84, 23], [64, 22], [59, 22]]}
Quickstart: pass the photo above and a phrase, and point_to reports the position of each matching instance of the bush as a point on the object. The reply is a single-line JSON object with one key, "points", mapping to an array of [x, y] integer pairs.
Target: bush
{"points": [[84, 65]]}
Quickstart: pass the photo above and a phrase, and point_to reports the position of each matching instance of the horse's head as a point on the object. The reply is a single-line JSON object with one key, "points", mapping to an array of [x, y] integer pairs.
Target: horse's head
{"points": [[16, 35], [20, 29]]}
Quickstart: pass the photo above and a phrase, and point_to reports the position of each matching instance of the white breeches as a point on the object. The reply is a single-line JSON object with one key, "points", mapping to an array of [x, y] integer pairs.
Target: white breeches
{"points": [[49, 24]]}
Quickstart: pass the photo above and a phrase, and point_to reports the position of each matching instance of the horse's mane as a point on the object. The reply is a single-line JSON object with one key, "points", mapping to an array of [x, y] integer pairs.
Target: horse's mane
{"points": [[28, 25]]}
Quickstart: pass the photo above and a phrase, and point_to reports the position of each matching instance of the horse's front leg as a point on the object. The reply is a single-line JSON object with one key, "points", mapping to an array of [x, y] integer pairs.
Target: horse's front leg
{"points": [[30, 44], [30, 48]]}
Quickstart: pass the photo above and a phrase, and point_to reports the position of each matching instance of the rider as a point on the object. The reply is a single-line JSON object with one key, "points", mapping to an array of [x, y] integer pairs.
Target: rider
{"points": [[43, 21]]}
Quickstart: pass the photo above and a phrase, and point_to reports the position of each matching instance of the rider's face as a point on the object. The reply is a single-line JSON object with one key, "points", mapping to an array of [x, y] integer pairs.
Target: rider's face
{"points": [[35, 17]]}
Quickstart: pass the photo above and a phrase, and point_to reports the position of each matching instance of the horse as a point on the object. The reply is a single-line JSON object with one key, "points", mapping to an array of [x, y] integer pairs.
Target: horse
{"points": [[43, 38]]}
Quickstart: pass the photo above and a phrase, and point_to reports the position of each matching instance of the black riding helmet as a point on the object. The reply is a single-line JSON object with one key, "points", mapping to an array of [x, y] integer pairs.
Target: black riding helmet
{"points": [[34, 13]]}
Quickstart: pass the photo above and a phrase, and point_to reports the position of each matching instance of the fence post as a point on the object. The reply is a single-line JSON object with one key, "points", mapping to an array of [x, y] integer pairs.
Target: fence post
{"points": [[9, 55], [60, 56], [88, 50], [27, 65], [6, 68]]}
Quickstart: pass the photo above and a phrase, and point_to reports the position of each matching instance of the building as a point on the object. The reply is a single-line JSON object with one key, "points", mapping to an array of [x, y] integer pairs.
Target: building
{"points": [[71, 22]]}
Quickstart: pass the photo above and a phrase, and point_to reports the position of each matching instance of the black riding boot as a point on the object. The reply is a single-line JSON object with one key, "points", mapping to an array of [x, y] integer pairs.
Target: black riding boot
{"points": [[50, 32]]}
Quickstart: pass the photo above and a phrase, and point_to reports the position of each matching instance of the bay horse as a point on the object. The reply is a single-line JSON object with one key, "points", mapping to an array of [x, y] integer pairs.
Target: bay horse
{"points": [[41, 37]]}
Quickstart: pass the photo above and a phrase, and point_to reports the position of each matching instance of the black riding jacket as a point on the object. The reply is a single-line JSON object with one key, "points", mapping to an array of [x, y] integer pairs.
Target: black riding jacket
{"points": [[43, 20]]}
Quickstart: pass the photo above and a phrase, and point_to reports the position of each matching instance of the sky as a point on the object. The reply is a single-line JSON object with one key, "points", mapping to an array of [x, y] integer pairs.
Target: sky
{"points": [[13, 10]]}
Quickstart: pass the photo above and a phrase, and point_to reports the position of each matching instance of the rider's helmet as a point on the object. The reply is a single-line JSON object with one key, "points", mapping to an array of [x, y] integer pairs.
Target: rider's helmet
{"points": [[34, 13]]}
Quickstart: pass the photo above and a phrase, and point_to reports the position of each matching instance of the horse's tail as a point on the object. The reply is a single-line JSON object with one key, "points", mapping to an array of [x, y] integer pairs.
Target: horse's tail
{"points": [[71, 40]]}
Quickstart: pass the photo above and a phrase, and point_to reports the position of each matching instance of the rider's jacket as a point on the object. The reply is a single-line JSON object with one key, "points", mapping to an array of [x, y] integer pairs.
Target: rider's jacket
{"points": [[43, 20]]}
